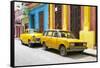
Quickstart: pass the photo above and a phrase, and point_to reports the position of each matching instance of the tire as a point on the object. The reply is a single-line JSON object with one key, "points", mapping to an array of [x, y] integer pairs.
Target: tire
{"points": [[45, 47], [81, 51], [63, 51], [29, 44], [22, 42]]}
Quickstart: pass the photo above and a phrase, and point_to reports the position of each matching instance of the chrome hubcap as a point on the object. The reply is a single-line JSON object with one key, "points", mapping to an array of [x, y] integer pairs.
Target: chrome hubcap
{"points": [[62, 51]]}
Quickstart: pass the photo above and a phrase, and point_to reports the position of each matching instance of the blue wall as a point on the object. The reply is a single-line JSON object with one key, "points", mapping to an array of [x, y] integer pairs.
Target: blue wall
{"points": [[35, 11]]}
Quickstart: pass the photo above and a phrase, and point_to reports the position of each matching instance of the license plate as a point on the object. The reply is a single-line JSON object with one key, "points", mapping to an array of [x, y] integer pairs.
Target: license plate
{"points": [[37, 41]]}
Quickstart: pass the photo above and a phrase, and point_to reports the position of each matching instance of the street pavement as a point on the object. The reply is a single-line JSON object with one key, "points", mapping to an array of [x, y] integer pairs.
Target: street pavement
{"points": [[25, 55]]}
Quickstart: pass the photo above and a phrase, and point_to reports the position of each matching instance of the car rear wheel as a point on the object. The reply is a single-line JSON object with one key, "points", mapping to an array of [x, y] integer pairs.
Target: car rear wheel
{"points": [[81, 51], [29, 43], [45, 47], [63, 51]]}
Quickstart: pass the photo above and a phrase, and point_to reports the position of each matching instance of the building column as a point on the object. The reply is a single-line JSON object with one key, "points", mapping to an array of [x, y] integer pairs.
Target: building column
{"points": [[93, 19], [93, 25], [46, 18], [82, 17], [36, 22], [86, 24], [30, 21], [65, 17], [52, 16]]}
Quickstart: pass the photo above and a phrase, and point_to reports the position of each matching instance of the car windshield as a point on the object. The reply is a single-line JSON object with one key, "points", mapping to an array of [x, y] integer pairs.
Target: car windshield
{"points": [[67, 34], [32, 31]]}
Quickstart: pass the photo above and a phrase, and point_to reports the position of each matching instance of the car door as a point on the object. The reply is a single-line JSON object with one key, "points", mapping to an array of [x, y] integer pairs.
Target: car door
{"points": [[54, 39], [48, 39]]}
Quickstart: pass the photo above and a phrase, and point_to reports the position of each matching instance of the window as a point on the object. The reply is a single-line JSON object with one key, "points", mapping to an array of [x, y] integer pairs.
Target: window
{"points": [[66, 34], [49, 33], [55, 34], [45, 33]]}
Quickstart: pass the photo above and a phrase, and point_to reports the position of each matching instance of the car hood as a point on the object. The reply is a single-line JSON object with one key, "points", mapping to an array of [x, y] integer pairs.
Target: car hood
{"points": [[36, 34], [73, 40]]}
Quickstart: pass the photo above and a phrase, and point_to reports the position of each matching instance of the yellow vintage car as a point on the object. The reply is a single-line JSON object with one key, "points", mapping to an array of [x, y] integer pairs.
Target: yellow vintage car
{"points": [[30, 37], [63, 41]]}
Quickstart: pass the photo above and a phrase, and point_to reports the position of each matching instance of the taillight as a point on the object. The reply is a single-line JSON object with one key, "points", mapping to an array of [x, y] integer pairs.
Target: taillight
{"points": [[84, 44], [72, 44]]}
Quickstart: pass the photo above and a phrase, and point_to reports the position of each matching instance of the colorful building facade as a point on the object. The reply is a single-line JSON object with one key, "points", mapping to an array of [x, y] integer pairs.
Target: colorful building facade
{"points": [[81, 20], [38, 18], [18, 23]]}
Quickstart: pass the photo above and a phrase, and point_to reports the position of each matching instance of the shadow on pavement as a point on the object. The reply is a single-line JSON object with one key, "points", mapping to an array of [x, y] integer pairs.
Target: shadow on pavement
{"points": [[34, 46], [73, 55]]}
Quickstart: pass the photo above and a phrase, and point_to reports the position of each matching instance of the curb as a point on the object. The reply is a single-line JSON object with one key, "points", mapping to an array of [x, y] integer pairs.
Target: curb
{"points": [[90, 54]]}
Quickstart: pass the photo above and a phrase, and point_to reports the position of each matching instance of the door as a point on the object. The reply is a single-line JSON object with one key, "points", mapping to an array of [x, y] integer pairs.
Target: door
{"points": [[75, 24], [33, 22], [41, 21], [26, 26], [49, 39], [17, 31], [54, 39]]}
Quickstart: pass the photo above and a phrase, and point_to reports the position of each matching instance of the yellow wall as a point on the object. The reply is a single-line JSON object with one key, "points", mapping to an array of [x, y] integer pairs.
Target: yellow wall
{"points": [[85, 34], [89, 37]]}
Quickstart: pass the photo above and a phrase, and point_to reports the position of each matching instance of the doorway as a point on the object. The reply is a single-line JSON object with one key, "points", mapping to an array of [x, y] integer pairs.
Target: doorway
{"points": [[17, 31], [58, 16], [41, 21], [75, 20], [33, 22]]}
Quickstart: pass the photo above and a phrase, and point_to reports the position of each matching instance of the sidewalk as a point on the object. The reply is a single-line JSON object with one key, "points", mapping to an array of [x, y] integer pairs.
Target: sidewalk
{"points": [[92, 52]]}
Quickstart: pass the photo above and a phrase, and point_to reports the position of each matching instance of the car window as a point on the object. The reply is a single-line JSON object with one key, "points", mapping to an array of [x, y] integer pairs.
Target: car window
{"points": [[45, 33], [55, 34], [49, 33], [30, 31], [67, 34]]}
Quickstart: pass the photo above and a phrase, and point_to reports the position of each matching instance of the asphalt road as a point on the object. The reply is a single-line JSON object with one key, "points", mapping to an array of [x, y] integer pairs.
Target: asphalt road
{"points": [[25, 55]]}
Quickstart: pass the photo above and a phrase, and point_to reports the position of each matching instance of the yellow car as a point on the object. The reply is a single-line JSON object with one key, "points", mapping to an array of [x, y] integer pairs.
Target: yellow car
{"points": [[30, 37], [63, 41]]}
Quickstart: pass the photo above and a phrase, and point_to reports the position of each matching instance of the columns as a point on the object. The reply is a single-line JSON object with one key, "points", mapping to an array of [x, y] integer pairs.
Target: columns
{"points": [[30, 21], [36, 22], [93, 19], [82, 17], [46, 18], [86, 35], [52, 16], [65, 17], [86, 18]]}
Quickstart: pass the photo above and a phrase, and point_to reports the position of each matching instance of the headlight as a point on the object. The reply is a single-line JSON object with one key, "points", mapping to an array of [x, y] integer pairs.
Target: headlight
{"points": [[72, 44], [84, 44]]}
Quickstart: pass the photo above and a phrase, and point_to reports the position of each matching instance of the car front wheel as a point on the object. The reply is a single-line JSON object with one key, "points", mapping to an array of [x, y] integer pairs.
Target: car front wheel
{"points": [[45, 47], [22, 42], [63, 51], [29, 43]]}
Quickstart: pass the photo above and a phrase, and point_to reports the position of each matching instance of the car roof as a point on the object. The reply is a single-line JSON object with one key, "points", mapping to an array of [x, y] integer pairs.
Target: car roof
{"points": [[56, 30]]}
